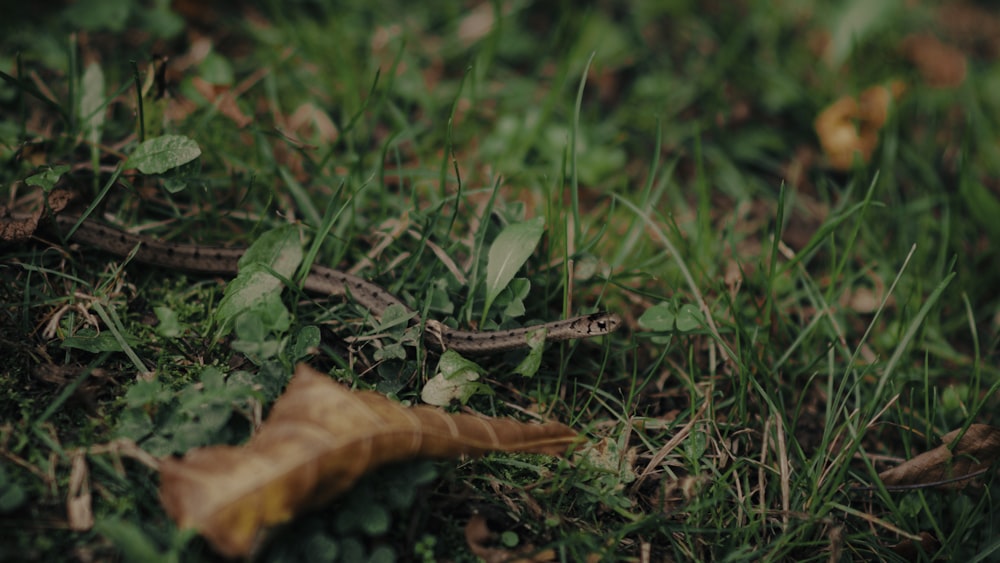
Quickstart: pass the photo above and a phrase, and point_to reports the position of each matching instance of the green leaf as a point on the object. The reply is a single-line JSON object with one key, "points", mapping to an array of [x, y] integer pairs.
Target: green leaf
{"points": [[394, 315], [92, 102], [89, 341], [278, 250], [158, 155], [134, 424], [260, 327], [176, 184], [382, 554], [689, 318], [48, 178], [853, 22], [216, 69], [143, 393], [306, 342], [456, 381], [440, 298], [93, 15], [392, 351], [213, 379], [374, 520], [508, 253], [509, 539], [169, 326], [668, 317], [453, 364], [530, 364], [441, 391], [133, 542], [659, 317], [401, 487], [514, 296], [12, 495], [160, 21]]}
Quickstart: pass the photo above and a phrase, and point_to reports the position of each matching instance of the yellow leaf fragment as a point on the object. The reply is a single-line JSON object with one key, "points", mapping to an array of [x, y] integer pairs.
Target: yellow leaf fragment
{"points": [[851, 126]]}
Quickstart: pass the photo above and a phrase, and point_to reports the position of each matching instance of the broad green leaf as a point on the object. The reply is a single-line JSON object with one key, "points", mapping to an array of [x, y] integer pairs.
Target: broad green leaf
{"points": [[530, 364], [689, 318], [92, 102], [441, 391], [160, 154], [246, 291], [509, 252], [259, 328], [94, 15], [509, 539], [668, 317], [371, 518], [452, 364], [131, 540], [12, 495], [306, 342], [168, 326], [659, 317], [390, 351], [610, 456], [216, 69], [393, 316], [48, 178], [136, 425], [213, 379], [278, 250], [143, 393], [515, 293], [456, 380], [175, 184]]}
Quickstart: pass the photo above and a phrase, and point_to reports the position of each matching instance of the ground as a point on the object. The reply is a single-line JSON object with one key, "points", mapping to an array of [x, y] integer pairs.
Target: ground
{"points": [[792, 207]]}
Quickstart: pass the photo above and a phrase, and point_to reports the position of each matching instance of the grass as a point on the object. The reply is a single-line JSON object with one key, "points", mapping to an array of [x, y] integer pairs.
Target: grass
{"points": [[792, 330]]}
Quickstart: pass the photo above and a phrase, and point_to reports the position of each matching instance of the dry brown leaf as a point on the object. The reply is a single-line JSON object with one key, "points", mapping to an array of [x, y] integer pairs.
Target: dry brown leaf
{"points": [[21, 229], [975, 452], [318, 440]]}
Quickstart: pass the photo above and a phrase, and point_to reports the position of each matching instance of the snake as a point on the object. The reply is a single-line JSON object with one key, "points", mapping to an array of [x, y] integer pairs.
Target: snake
{"points": [[322, 280]]}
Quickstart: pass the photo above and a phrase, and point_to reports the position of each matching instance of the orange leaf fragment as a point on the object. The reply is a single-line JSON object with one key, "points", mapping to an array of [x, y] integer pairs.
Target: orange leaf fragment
{"points": [[975, 452], [851, 125], [318, 440]]}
